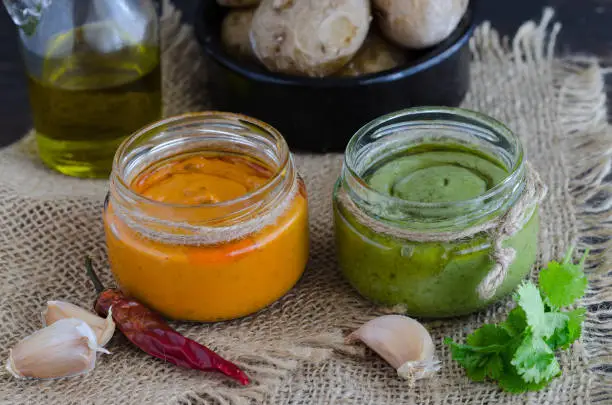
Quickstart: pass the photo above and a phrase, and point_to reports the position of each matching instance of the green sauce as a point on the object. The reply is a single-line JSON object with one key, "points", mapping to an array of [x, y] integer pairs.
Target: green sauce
{"points": [[436, 174], [430, 279]]}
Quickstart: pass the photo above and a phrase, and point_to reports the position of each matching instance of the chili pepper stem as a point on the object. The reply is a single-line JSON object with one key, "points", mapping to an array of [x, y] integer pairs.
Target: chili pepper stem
{"points": [[93, 276]]}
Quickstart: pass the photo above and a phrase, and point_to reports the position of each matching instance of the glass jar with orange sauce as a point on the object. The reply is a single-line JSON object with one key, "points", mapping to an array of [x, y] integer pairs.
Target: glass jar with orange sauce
{"points": [[206, 218]]}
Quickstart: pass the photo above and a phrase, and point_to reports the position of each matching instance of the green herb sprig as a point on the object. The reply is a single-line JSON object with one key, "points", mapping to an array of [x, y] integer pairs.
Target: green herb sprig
{"points": [[519, 353]]}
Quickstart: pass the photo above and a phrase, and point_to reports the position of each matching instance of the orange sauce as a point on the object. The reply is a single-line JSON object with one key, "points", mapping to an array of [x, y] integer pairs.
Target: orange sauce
{"points": [[209, 282]]}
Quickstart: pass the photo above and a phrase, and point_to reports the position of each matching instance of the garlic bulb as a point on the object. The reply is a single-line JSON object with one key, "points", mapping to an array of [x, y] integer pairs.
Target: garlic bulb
{"points": [[66, 348], [103, 328], [402, 342]]}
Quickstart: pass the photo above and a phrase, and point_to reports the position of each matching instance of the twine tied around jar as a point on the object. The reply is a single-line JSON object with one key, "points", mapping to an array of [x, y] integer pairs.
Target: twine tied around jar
{"points": [[164, 230], [499, 229], [507, 225]]}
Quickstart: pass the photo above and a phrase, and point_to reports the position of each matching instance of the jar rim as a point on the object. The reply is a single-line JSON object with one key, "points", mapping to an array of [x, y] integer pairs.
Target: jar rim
{"points": [[484, 120], [194, 117]]}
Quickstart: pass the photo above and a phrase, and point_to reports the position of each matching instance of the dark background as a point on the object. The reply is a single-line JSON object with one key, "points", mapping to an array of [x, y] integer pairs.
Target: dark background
{"points": [[587, 29]]}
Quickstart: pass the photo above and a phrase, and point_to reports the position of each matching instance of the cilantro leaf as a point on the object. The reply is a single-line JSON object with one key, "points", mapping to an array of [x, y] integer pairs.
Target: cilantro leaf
{"points": [[511, 381], [564, 337], [494, 368], [516, 323], [478, 364], [471, 360], [542, 323], [483, 355], [489, 337], [574, 323], [534, 360], [563, 283], [519, 353]]}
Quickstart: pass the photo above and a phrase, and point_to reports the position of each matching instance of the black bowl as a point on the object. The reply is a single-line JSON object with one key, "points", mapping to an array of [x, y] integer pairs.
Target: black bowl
{"points": [[321, 114]]}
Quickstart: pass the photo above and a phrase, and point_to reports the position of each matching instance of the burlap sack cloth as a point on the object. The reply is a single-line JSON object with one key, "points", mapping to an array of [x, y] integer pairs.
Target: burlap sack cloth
{"points": [[293, 350]]}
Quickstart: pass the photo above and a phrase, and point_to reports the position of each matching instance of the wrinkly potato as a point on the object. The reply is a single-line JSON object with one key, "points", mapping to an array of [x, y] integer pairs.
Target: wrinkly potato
{"points": [[235, 33], [238, 3], [309, 37], [376, 55], [419, 23]]}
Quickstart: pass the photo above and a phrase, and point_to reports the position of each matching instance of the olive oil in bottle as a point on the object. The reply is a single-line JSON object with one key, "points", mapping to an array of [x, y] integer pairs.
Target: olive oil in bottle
{"points": [[89, 94]]}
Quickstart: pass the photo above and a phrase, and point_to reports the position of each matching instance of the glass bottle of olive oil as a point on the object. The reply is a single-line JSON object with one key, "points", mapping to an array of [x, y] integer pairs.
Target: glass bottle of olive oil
{"points": [[94, 78]]}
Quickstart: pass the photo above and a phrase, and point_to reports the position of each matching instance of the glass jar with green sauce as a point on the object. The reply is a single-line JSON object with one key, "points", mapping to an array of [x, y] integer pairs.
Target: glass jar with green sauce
{"points": [[436, 211]]}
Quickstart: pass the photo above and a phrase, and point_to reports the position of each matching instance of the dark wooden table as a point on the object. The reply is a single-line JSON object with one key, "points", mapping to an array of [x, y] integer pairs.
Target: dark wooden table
{"points": [[586, 29]]}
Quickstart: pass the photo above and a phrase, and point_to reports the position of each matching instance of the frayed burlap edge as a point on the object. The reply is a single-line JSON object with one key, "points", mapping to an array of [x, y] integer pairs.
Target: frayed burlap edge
{"points": [[586, 147], [268, 367], [587, 150]]}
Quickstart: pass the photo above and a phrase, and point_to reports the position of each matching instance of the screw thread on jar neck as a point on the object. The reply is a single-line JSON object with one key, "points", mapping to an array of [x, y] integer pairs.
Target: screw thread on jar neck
{"points": [[209, 222], [396, 133]]}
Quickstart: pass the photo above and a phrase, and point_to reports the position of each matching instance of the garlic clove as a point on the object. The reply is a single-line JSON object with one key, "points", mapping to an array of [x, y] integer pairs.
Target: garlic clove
{"points": [[66, 348], [103, 328], [402, 342]]}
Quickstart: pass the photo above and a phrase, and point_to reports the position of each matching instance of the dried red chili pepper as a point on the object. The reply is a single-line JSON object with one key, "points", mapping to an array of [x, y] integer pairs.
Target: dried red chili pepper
{"points": [[152, 334]]}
